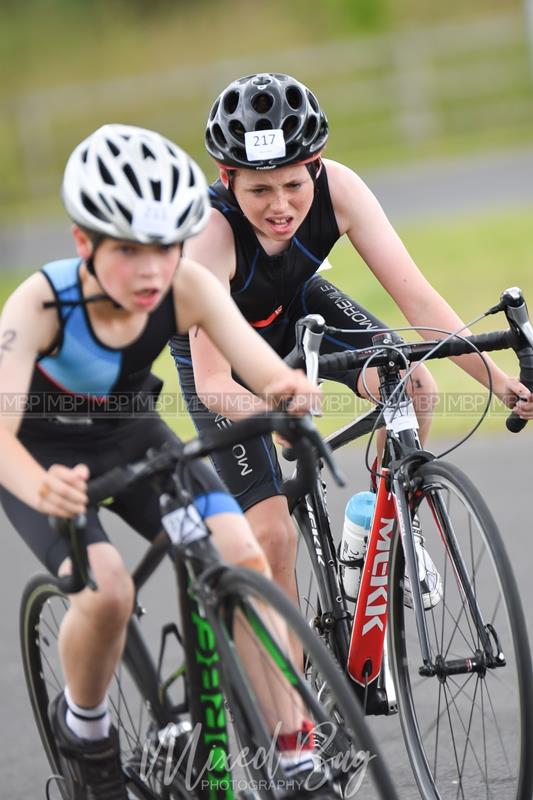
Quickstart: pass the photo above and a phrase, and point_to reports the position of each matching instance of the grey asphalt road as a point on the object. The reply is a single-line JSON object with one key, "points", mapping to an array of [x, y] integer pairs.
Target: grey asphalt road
{"points": [[499, 465], [430, 189]]}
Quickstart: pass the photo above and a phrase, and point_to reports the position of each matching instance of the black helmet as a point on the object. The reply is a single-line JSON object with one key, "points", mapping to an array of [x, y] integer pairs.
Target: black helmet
{"points": [[235, 134]]}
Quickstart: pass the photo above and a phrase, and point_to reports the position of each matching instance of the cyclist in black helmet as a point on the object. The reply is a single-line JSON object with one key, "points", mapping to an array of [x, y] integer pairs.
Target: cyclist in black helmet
{"points": [[77, 341], [278, 209]]}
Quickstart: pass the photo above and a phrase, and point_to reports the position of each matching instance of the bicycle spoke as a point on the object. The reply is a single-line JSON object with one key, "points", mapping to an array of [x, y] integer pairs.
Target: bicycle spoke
{"points": [[128, 708]]}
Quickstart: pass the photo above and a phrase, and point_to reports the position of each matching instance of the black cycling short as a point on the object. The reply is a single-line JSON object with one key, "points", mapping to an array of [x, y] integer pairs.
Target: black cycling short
{"points": [[251, 470], [101, 446]]}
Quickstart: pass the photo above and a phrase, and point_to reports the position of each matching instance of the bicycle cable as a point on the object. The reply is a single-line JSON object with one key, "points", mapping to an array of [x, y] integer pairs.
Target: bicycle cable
{"points": [[397, 348]]}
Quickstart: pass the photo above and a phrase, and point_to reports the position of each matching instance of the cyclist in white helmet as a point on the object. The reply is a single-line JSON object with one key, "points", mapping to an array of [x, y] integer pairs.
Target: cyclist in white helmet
{"points": [[278, 209], [77, 339]]}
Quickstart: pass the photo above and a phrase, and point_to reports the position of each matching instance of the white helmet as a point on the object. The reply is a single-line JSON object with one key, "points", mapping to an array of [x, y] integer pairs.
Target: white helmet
{"points": [[132, 183]]}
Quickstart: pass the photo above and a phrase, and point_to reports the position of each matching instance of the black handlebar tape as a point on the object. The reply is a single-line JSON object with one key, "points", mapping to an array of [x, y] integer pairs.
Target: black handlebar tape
{"points": [[294, 359], [297, 487], [75, 581], [496, 340], [289, 453], [525, 358], [355, 359], [108, 485]]}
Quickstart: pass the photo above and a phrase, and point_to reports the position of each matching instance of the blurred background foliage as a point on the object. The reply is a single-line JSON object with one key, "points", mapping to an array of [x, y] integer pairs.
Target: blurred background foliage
{"points": [[399, 80]]}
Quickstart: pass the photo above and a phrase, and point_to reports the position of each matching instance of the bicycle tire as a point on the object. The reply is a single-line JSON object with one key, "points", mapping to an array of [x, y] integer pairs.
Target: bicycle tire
{"points": [[468, 735], [237, 593], [42, 605]]}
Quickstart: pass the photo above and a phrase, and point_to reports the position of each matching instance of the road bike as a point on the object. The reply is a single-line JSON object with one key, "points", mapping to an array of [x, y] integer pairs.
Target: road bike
{"points": [[203, 725], [459, 673]]}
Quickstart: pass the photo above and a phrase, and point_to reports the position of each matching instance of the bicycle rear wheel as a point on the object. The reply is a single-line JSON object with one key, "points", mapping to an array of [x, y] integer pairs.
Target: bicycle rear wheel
{"points": [[256, 689], [468, 728], [137, 707]]}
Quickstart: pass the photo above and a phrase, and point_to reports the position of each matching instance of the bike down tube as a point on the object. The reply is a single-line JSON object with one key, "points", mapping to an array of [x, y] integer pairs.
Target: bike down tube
{"points": [[371, 612], [207, 705]]}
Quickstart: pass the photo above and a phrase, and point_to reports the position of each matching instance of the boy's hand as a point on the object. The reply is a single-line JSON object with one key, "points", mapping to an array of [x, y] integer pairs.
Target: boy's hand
{"points": [[516, 396], [299, 394], [63, 491]]}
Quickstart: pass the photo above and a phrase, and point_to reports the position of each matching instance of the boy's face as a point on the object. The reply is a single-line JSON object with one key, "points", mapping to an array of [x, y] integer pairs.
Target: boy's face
{"points": [[275, 202], [136, 275]]}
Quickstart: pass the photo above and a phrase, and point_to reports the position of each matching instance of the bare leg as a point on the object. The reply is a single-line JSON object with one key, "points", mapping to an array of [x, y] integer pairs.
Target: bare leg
{"points": [[274, 530], [93, 631], [236, 544]]}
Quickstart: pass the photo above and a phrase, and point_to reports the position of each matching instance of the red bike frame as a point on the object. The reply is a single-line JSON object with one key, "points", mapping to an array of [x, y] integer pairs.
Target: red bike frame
{"points": [[370, 619]]}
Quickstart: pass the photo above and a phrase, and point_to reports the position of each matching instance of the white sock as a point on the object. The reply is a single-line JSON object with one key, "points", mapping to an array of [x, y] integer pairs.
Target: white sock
{"points": [[302, 760], [88, 723]]}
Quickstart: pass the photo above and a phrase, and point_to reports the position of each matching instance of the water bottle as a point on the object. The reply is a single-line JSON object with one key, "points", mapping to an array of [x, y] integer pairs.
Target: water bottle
{"points": [[357, 522]]}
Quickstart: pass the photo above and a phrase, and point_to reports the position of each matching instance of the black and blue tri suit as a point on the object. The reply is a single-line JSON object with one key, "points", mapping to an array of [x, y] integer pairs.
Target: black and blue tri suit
{"points": [[273, 292], [93, 404]]}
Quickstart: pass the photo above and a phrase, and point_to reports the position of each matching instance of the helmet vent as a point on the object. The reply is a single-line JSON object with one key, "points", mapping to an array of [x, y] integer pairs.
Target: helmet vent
{"points": [[93, 210], [218, 136], [294, 97], [262, 102], [130, 175], [289, 125], [184, 216], [310, 128], [84, 155], [156, 189], [147, 153], [113, 148], [104, 172], [124, 211], [191, 177], [236, 128], [104, 201], [313, 102], [231, 101], [263, 125], [175, 181]]}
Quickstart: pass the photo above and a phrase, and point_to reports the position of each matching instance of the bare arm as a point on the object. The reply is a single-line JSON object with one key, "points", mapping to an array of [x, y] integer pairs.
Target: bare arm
{"points": [[26, 329], [361, 217], [215, 385], [203, 302]]}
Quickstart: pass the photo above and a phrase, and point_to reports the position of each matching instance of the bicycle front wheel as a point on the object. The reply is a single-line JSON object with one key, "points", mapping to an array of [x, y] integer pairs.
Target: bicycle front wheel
{"points": [[468, 720], [137, 706], [261, 683]]}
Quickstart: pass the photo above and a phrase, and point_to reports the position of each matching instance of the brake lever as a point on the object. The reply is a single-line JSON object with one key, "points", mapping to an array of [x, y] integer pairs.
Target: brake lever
{"points": [[81, 575], [306, 429], [325, 452], [309, 334], [517, 314]]}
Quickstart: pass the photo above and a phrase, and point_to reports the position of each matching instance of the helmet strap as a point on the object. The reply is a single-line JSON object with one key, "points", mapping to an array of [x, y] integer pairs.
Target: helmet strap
{"points": [[89, 263], [314, 168]]}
